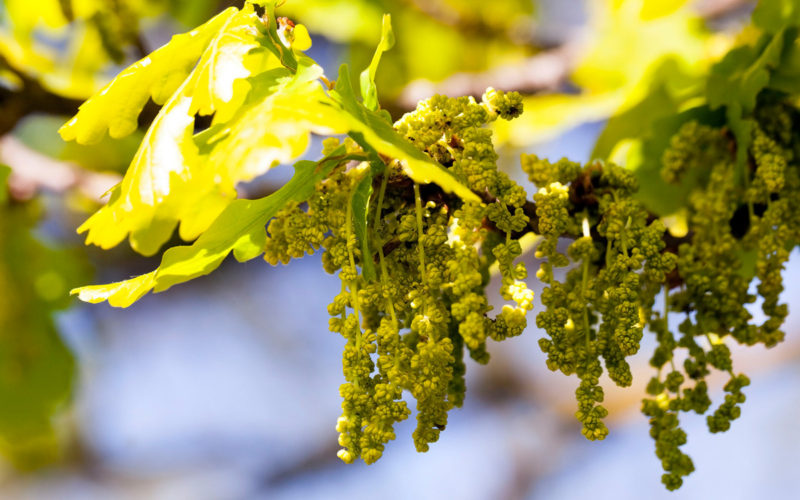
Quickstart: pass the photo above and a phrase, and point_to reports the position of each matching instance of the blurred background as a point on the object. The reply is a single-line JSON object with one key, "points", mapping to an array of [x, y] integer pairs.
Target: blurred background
{"points": [[227, 387]]}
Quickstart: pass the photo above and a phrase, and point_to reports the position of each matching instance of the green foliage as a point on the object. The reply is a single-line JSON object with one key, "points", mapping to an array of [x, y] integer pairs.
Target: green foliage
{"points": [[772, 16], [430, 300], [238, 229], [412, 215], [5, 172], [266, 99], [38, 370], [633, 47], [369, 92], [69, 45], [161, 166], [468, 35], [360, 208], [379, 135], [116, 108]]}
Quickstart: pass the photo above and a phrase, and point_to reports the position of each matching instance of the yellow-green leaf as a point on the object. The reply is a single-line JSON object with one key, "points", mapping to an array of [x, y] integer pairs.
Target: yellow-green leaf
{"points": [[116, 108], [138, 206], [231, 56], [119, 294], [168, 181], [274, 125], [240, 229], [381, 136], [369, 91], [359, 201]]}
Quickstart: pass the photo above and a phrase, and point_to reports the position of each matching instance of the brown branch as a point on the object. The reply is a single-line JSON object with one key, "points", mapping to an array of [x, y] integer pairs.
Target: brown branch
{"points": [[584, 194], [33, 172], [544, 72], [31, 97], [715, 9], [473, 26]]}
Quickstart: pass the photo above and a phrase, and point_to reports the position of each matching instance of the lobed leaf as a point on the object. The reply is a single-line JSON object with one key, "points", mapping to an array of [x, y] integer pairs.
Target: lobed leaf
{"points": [[274, 124], [360, 204], [786, 77], [234, 54], [369, 91], [736, 81], [119, 294], [262, 120], [744, 72], [147, 204], [382, 137], [116, 107], [240, 229], [773, 15], [169, 181], [659, 102]]}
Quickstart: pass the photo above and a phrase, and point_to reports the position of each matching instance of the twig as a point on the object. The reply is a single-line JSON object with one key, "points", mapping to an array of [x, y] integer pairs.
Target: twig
{"points": [[474, 25], [546, 71], [31, 97], [33, 172], [715, 9]]}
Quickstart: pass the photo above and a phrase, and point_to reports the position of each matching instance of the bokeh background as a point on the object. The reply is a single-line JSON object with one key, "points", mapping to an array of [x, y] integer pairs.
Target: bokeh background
{"points": [[227, 387]]}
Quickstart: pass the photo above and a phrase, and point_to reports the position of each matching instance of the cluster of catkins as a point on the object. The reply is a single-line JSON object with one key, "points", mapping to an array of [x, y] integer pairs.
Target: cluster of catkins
{"points": [[595, 317], [408, 327], [742, 224]]}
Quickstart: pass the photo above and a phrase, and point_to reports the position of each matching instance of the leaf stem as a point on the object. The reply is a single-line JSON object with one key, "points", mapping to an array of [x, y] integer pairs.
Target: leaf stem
{"points": [[384, 272], [352, 283], [585, 285], [418, 204]]}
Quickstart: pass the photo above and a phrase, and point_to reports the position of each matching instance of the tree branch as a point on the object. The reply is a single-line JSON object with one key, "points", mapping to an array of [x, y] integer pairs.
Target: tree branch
{"points": [[546, 71], [543, 72], [33, 172], [31, 97], [715, 9], [473, 25]]}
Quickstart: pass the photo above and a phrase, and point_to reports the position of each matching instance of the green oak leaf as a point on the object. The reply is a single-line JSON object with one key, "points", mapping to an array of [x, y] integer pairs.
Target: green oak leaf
{"points": [[786, 76], [369, 92], [660, 101], [659, 196], [360, 206], [266, 103], [170, 182], [382, 137], [117, 106], [744, 72], [240, 229], [119, 294], [773, 15], [273, 124]]}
